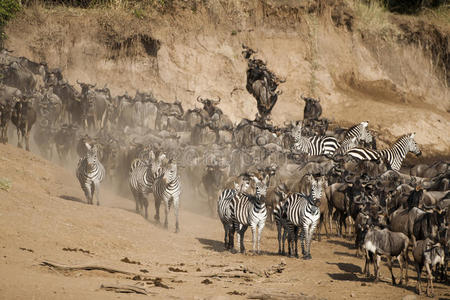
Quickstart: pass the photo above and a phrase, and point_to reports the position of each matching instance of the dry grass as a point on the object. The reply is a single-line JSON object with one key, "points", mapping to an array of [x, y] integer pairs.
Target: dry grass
{"points": [[371, 16]]}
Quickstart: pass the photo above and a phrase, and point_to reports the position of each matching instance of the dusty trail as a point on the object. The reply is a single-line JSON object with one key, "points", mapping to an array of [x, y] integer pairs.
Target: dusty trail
{"points": [[38, 222]]}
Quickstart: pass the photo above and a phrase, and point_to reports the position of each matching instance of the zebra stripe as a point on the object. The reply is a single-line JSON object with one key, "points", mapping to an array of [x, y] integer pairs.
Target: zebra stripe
{"points": [[301, 212], [167, 188], [141, 181], [225, 211], [90, 173], [316, 145], [397, 153], [394, 156], [250, 210]]}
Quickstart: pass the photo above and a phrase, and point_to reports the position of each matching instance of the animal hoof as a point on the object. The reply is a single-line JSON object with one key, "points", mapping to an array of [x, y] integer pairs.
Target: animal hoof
{"points": [[307, 257], [177, 230]]}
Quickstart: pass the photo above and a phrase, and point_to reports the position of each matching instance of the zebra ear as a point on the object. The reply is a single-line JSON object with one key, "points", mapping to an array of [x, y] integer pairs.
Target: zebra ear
{"points": [[412, 135], [88, 146]]}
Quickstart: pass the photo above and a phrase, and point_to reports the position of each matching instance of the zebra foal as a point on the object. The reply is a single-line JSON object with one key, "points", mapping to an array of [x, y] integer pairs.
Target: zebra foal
{"points": [[90, 173]]}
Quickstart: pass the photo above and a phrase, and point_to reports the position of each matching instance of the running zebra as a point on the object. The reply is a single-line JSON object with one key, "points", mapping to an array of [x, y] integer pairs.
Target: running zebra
{"points": [[90, 173], [167, 188], [225, 210], [393, 156], [142, 176], [315, 145], [250, 210], [302, 213]]}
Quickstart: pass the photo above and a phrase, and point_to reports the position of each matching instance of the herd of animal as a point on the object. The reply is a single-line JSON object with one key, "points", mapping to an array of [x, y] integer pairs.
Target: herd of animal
{"points": [[304, 175]]}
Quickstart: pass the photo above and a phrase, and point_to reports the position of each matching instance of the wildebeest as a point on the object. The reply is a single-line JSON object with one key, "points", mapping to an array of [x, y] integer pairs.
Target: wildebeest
{"points": [[19, 77], [212, 180], [8, 98], [23, 117], [427, 254], [64, 140], [312, 110], [387, 243]]}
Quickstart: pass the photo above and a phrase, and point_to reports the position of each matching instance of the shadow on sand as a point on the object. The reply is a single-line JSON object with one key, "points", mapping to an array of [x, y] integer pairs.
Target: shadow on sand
{"points": [[212, 245], [71, 198]]}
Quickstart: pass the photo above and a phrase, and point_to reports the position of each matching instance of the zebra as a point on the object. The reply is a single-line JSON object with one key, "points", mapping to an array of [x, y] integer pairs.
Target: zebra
{"points": [[315, 145], [393, 156], [302, 212], [361, 133], [225, 209], [141, 178], [167, 188], [250, 210], [280, 220], [90, 173]]}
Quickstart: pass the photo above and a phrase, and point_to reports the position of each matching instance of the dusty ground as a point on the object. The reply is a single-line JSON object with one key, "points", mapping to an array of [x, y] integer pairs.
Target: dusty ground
{"points": [[44, 213]]}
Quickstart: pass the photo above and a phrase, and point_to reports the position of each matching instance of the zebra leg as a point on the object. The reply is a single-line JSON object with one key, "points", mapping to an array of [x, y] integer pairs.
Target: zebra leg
{"points": [[296, 240], [311, 229], [241, 237], [302, 239], [157, 204], [87, 192], [166, 212], [254, 236], [19, 138], [97, 193], [260, 229], [226, 229], [175, 206], [144, 205], [279, 239], [231, 237]]}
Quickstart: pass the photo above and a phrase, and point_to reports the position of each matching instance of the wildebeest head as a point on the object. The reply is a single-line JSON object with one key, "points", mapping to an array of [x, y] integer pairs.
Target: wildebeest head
{"points": [[85, 87], [209, 104]]}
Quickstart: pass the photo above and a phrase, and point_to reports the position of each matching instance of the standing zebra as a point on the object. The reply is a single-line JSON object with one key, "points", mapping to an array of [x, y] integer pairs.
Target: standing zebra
{"points": [[315, 145], [393, 156], [167, 188], [250, 210], [90, 173], [142, 176], [225, 210], [302, 212]]}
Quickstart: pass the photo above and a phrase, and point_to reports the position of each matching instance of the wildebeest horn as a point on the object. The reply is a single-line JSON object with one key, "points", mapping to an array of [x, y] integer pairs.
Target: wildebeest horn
{"points": [[199, 99], [318, 99], [80, 83], [303, 97], [218, 100]]}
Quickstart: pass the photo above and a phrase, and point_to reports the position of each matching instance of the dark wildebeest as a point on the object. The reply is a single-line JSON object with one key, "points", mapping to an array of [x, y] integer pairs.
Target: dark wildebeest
{"points": [[23, 117], [313, 109], [402, 220], [8, 98], [19, 77], [427, 254], [387, 243], [212, 181], [64, 140]]}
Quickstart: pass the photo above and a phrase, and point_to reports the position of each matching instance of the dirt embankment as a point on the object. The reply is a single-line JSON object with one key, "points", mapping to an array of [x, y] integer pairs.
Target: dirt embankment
{"points": [[395, 77]]}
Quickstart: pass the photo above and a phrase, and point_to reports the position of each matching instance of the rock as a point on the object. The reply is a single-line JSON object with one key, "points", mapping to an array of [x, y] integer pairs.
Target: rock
{"points": [[353, 295]]}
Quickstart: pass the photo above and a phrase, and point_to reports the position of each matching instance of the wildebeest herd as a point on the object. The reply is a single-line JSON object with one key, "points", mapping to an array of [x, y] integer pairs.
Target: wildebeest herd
{"points": [[296, 177]]}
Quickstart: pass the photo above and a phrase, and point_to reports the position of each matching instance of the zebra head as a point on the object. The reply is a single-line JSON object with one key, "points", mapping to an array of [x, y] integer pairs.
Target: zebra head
{"points": [[157, 165], [170, 172], [316, 189], [91, 154], [261, 187], [412, 145]]}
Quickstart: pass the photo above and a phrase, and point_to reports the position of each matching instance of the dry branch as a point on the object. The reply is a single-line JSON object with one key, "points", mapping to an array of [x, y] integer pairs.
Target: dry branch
{"points": [[124, 289], [83, 267]]}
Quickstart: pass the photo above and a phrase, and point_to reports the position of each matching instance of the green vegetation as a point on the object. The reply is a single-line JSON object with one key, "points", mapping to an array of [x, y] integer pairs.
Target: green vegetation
{"points": [[8, 9], [5, 184]]}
